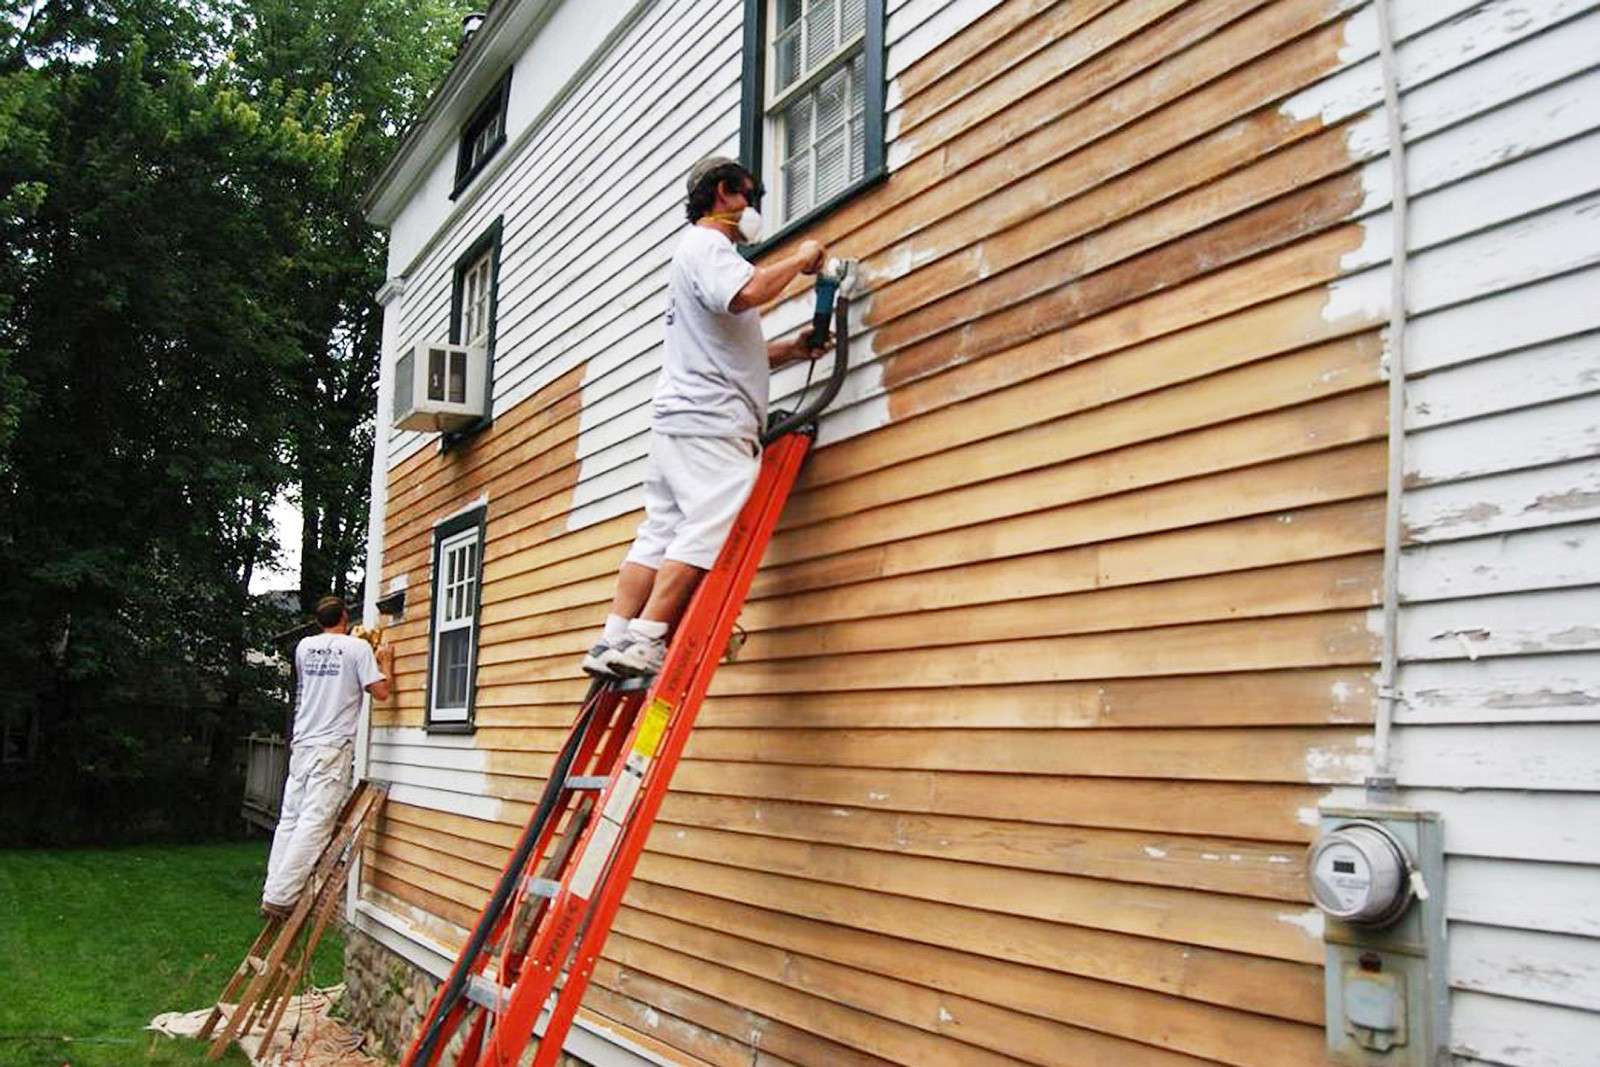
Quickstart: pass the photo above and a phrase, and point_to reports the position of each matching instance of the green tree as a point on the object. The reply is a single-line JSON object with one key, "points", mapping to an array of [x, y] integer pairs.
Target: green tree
{"points": [[187, 335], [377, 60]]}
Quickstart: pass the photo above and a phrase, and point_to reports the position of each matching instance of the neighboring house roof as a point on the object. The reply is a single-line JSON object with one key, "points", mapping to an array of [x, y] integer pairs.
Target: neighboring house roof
{"points": [[505, 29]]}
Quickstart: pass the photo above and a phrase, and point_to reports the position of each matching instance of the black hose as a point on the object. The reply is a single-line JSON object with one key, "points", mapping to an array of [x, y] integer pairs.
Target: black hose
{"points": [[513, 874], [830, 388]]}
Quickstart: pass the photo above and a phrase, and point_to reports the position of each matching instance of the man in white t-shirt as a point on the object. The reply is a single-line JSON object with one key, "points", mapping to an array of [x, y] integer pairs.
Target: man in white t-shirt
{"points": [[710, 408], [334, 670]]}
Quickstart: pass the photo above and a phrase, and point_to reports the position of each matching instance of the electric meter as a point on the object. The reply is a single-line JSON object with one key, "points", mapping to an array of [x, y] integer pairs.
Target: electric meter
{"points": [[1360, 873]]}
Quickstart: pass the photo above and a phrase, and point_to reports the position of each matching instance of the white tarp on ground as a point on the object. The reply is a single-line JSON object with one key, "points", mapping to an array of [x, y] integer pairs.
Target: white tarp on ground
{"points": [[308, 1036]]}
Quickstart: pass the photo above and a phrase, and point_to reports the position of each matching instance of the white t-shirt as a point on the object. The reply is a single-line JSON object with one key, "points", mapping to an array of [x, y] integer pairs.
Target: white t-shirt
{"points": [[334, 670], [714, 372]]}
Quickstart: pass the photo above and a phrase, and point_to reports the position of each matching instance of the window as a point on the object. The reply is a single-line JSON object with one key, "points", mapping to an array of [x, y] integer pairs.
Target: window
{"points": [[453, 653], [474, 302], [812, 122], [476, 282], [482, 135]]}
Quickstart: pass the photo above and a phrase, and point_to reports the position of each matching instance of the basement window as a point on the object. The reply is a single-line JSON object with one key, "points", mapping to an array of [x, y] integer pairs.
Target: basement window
{"points": [[812, 117]]}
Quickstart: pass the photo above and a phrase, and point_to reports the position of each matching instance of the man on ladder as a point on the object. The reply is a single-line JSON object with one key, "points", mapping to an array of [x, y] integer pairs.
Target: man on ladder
{"points": [[710, 408], [334, 669], [713, 500]]}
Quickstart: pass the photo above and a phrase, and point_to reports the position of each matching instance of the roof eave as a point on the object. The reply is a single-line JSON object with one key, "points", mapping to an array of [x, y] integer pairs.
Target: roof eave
{"points": [[383, 201]]}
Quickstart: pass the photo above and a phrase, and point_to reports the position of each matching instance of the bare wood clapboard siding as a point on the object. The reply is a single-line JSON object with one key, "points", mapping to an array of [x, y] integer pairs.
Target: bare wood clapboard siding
{"points": [[1068, 627], [1497, 727]]}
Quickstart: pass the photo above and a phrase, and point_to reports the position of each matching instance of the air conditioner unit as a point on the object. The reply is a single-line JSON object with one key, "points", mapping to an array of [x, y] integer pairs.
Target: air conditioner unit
{"points": [[439, 386]]}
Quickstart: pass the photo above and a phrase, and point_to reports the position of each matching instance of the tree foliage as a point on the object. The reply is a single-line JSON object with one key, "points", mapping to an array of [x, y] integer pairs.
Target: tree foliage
{"points": [[186, 335]]}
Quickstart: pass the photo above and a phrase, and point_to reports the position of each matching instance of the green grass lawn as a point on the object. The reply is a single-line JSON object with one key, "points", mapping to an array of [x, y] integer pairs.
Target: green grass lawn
{"points": [[95, 943]]}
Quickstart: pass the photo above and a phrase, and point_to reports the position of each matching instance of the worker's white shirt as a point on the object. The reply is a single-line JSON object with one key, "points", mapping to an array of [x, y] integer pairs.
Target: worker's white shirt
{"points": [[334, 670], [714, 371]]}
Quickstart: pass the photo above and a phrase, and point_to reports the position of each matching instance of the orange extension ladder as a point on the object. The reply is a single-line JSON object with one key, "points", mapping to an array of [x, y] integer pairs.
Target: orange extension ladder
{"points": [[534, 947]]}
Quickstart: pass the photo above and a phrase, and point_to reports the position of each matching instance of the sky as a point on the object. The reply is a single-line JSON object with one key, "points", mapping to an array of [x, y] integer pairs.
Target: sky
{"points": [[286, 521]]}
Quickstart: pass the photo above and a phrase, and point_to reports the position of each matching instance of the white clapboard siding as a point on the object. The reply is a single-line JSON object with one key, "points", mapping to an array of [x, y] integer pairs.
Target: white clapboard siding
{"points": [[1557, 898], [1493, 1029], [1498, 727], [602, 182]]}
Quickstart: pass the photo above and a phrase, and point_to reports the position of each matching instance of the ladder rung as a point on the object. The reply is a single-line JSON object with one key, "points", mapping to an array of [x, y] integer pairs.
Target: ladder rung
{"points": [[542, 887], [588, 781], [486, 993]]}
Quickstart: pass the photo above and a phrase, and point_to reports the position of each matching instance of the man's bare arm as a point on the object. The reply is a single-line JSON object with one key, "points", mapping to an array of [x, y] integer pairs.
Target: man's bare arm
{"points": [[769, 280], [381, 689], [792, 349]]}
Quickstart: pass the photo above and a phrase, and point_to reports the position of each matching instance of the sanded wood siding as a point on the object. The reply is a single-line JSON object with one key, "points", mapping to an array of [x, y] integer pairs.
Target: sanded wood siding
{"points": [[1070, 625], [1499, 723]]}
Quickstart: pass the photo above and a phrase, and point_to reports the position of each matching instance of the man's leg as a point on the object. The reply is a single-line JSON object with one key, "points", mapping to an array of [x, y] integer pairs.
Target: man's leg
{"points": [[674, 584], [634, 583], [710, 479], [294, 791], [326, 784], [638, 574]]}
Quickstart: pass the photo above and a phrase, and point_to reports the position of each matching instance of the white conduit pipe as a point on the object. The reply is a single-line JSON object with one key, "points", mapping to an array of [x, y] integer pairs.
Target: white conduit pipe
{"points": [[1388, 671]]}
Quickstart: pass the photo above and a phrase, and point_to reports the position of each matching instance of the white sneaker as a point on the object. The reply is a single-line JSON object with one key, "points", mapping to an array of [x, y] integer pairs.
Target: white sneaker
{"points": [[595, 661], [637, 656]]}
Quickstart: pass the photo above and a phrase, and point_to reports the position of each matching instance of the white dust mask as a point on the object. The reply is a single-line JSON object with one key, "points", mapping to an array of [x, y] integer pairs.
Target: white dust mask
{"points": [[750, 224]]}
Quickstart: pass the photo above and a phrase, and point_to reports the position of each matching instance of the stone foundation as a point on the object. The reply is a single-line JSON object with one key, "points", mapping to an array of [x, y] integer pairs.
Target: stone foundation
{"points": [[386, 997]]}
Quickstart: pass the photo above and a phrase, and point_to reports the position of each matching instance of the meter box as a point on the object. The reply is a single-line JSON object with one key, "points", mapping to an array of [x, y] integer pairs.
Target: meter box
{"points": [[1378, 876]]}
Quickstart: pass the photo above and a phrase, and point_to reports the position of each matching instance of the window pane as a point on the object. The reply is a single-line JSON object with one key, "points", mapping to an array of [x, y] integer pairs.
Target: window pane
{"points": [[797, 185], [797, 127], [786, 58], [450, 677], [832, 165], [822, 31], [788, 13], [858, 109], [854, 17], [858, 149], [831, 97]]}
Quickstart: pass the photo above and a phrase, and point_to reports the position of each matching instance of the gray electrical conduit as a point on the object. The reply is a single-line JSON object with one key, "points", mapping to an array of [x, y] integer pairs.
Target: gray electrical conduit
{"points": [[1382, 778]]}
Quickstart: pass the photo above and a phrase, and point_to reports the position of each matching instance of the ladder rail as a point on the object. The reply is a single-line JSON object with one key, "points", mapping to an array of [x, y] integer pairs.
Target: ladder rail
{"points": [[449, 1003], [716, 602], [640, 821], [273, 969]]}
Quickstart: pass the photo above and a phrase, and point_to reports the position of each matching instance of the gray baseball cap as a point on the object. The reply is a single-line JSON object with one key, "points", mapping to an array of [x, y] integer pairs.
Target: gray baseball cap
{"points": [[706, 166]]}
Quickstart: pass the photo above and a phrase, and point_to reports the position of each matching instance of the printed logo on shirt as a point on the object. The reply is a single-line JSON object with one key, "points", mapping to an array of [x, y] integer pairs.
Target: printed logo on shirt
{"points": [[672, 309], [323, 662]]}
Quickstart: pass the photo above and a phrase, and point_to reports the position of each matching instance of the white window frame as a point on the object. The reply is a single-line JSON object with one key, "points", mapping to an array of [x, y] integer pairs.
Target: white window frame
{"points": [[776, 102], [477, 281], [456, 609]]}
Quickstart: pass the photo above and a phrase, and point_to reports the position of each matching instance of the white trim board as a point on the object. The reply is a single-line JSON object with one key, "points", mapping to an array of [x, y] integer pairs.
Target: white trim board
{"points": [[587, 1039]]}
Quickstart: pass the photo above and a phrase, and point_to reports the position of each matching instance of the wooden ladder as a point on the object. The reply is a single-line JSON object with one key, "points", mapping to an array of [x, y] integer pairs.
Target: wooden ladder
{"points": [[281, 954]]}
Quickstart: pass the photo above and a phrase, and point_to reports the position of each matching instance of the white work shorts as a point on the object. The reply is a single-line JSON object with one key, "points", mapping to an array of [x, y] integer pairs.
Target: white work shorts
{"points": [[693, 491]]}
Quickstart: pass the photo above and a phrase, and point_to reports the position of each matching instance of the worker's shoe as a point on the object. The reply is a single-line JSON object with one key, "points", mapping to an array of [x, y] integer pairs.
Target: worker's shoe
{"points": [[276, 911], [596, 660], [637, 656]]}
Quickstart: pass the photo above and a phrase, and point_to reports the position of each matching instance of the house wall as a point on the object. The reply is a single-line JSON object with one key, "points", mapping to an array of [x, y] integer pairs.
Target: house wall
{"points": [[1071, 622], [1500, 680]]}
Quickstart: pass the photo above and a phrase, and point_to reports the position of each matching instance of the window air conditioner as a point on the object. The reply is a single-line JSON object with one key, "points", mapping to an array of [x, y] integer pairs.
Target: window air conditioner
{"points": [[439, 386]]}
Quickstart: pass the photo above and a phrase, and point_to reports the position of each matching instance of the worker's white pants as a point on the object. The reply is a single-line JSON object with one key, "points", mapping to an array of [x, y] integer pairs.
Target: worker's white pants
{"points": [[319, 780]]}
